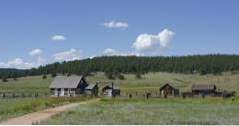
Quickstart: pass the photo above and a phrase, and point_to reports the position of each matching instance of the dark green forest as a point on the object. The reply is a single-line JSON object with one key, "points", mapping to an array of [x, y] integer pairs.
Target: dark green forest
{"points": [[116, 65]]}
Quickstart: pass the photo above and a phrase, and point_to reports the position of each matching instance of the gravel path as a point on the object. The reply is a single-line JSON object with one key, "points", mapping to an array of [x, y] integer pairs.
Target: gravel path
{"points": [[35, 117]]}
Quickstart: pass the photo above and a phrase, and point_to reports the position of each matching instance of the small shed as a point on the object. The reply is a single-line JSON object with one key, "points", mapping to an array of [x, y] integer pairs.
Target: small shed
{"points": [[111, 90], [168, 90], [68, 86], [92, 90], [204, 89]]}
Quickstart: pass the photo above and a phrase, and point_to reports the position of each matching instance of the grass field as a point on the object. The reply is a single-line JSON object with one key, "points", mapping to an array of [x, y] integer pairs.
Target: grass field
{"points": [[154, 111], [151, 81], [18, 106], [26, 85]]}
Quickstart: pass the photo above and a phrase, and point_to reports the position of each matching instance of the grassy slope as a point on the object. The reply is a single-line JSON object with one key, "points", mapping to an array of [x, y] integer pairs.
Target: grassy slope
{"points": [[151, 81], [26, 85], [159, 111], [154, 111]]}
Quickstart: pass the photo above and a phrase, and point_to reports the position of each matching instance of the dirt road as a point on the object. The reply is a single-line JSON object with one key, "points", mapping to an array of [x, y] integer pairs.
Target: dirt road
{"points": [[35, 117]]}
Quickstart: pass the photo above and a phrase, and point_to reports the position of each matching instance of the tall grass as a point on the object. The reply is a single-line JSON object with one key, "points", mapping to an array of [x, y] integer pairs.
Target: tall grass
{"points": [[15, 107], [154, 111]]}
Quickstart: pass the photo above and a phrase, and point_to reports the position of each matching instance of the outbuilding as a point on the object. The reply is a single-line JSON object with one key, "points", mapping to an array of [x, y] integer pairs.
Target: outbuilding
{"points": [[111, 90], [168, 90], [204, 89], [68, 86], [92, 89]]}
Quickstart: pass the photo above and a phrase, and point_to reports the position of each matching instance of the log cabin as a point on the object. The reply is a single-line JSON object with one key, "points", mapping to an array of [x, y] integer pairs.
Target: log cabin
{"points": [[168, 90]]}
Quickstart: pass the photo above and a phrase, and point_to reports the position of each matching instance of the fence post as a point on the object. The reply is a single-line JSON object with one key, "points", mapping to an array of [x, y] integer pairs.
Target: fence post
{"points": [[36, 94], [4, 95], [23, 95], [13, 95], [130, 96]]}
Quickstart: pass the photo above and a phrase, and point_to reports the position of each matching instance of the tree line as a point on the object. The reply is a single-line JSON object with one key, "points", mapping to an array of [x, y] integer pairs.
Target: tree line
{"points": [[115, 66]]}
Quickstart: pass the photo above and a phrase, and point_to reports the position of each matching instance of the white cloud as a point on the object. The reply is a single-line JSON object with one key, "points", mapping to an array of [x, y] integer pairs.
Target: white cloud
{"points": [[58, 38], [113, 52], [35, 52], [40, 61], [149, 42], [116, 24], [70, 55], [109, 52], [16, 63]]}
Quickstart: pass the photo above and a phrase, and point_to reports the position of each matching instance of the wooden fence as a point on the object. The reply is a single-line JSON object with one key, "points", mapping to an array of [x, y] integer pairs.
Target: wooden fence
{"points": [[22, 95]]}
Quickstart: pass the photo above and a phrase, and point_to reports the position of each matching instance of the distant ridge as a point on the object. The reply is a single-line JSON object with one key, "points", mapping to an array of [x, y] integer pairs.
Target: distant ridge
{"points": [[203, 64]]}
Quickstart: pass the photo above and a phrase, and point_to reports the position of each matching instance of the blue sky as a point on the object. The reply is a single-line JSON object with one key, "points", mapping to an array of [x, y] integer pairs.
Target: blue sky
{"points": [[39, 32]]}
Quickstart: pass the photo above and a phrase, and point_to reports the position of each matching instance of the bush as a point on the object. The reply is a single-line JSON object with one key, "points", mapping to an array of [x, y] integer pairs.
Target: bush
{"points": [[53, 75], [4, 79], [68, 74], [44, 76], [121, 77], [110, 75], [138, 76]]}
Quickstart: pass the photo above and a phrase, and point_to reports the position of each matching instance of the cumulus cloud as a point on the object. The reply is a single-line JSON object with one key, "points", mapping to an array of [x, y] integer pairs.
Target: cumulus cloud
{"points": [[149, 42], [70, 55], [16, 63], [113, 52], [109, 52], [35, 52], [116, 24], [58, 38]]}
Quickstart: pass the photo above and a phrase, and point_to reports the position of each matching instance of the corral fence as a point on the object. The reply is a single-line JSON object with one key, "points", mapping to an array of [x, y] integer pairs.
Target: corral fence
{"points": [[23, 94], [140, 94]]}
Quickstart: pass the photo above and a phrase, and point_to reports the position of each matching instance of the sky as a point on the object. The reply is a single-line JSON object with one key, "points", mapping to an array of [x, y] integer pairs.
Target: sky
{"points": [[34, 33]]}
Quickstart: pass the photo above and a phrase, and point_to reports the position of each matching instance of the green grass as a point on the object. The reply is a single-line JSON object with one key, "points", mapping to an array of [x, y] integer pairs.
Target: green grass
{"points": [[194, 110], [153, 81], [154, 111], [16, 107], [26, 85]]}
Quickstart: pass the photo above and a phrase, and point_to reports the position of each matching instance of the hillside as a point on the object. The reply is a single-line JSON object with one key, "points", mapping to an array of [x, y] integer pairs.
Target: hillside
{"points": [[150, 82], [202, 64], [116, 65]]}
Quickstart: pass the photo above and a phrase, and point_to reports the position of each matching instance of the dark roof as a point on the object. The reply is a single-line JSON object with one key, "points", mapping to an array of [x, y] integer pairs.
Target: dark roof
{"points": [[66, 82], [90, 86], [110, 87], [167, 84], [203, 87]]}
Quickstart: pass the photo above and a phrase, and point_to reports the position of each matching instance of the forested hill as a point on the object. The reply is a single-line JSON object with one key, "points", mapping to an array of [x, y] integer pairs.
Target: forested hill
{"points": [[202, 64], [9, 72], [131, 64]]}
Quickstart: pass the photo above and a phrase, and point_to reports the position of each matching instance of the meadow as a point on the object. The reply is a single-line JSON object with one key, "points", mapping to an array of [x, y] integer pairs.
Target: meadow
{"points": [[155, 111]]}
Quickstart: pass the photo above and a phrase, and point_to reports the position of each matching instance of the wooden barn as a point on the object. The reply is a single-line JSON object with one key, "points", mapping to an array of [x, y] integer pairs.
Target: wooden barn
{"points": [[92, 90], [68, 86], [111, 90], [204, 89], [168, 90]]}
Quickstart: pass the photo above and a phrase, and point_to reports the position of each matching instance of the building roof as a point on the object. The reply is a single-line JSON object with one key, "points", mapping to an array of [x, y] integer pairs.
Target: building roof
{"points": [[110, 87], [203, 87], [66, 82], [90, 86], [168, 84]]}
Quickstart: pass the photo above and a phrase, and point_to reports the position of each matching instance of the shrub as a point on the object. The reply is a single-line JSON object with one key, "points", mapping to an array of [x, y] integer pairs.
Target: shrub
{"points": [[4, 79], [121, 77], [44, 76]]}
